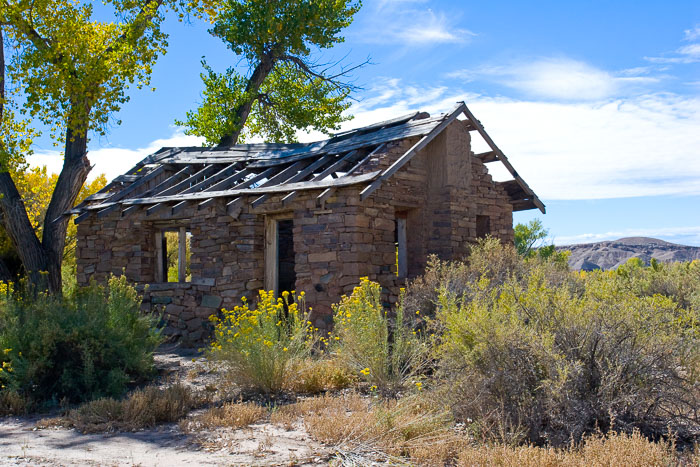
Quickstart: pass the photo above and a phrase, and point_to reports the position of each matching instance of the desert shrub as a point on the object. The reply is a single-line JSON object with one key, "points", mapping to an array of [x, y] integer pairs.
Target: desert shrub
{"points": [[230, 415], [487, 258], [386, 351], [319, 374], [551, 357], [143, 408], [261, 348], [598, 450], [91, 344]]}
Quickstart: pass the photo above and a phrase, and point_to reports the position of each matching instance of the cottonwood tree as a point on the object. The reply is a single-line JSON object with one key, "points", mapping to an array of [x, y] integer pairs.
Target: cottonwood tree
{"points": [[73, 72], [284, 88]]}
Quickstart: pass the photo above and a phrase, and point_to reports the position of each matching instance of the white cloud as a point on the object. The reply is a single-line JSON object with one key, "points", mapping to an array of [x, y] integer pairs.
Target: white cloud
{"points": [[687, 54], [637, 146], [114, 161], [692, 34], [560, 79], [683, 235], [394, 22]]}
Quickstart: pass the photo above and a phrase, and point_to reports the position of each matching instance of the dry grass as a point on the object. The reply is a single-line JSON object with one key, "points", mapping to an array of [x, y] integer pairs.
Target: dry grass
{"points": [[142, 408], [315, 376], [616, 449], [230, 415]]}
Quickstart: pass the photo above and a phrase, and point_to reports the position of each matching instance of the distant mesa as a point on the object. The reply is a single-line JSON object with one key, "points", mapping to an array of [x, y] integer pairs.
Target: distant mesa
{"points": [[611, 254]]}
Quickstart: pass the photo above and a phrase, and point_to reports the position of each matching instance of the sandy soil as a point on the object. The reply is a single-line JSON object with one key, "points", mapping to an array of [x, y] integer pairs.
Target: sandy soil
{"points": [[21, 443]]}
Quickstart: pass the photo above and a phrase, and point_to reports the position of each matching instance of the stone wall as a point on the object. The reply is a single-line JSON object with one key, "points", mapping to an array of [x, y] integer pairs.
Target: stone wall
{"points": [[439, 192]]}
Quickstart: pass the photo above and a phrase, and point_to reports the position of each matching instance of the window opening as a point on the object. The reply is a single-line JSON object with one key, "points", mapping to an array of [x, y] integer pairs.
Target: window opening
{"points": [[483, 226], [174, 255], [280, 275]]}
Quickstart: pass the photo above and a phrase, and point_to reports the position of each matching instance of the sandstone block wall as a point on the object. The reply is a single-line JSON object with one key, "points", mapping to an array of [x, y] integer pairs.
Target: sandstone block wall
{"points": [[439, 193]]}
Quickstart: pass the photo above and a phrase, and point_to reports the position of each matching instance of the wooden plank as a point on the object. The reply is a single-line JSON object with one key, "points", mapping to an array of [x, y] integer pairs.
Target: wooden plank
{"points": [[130, 209], [223, 173], [204, 172], [174, 178], [234, 207], [403, 251], [160, 254], [179, 207], [335, 166], [155, 208], [82, 217], [182, 254], [107, 211], [486, 157], [271, 254], [502, 157], [258, 201], [261, 176], [229, 181], [362, 161], [289, 198], [127, 190], [305, 172], [206, 204], [309, 185], [284, 174], [320, 199], [408, 155]]}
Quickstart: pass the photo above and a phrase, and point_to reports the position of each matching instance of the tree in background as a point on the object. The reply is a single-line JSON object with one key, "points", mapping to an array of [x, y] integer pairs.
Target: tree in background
{"points": [[73, 71], [529, 242], [285, 90]]}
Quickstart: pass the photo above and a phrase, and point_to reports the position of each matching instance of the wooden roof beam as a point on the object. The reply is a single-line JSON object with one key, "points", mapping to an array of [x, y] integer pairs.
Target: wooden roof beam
{"points": [[299, 176], [186, 183], [486, 157], [208, 181], [408, 155]]}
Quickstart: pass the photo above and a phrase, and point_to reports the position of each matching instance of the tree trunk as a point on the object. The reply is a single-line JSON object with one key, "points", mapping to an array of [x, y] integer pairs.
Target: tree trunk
{"points": [[241, 112], [21, 232], [76, 167]]}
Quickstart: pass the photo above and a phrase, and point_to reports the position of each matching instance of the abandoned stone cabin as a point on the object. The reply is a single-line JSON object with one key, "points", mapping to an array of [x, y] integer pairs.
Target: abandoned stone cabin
{"points": [[375, 201]]}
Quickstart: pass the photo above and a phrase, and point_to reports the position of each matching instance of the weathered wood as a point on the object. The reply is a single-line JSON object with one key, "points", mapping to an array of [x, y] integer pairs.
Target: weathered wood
{"points": [[285, 174], [271, 254], [129, 189], [155, 208], [364, 160], [502, 157], [107, 211], [233, 208], [184, 184], [182, 254], [408, 155], [230, 181], [82, 217], [486, 157], [289, 198], [335, 166], [223, 173], [320, 199], [402, 249], [159, 256], [179, 207]]}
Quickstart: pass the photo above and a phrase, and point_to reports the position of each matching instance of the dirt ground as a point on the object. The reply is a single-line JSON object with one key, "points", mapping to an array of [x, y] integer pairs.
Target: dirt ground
{"points": [[23, 444]]}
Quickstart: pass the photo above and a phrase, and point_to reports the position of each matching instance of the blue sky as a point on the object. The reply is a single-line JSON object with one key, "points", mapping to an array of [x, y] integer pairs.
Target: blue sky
{"points": [[596, 103]]}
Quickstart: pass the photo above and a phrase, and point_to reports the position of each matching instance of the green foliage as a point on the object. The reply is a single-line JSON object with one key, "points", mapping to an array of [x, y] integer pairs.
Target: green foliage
{"points": [[262, 348], [387, 353], [528, 235], [543, 354], [284, 91], [91, 344]]}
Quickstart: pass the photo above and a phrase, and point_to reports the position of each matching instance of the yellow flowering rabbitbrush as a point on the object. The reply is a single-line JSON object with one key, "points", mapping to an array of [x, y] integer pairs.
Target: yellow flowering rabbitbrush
{"points": [[262, 346]]}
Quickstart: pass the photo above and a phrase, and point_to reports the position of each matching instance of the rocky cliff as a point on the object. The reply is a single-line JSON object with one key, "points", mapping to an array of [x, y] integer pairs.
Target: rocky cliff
{"points": [[610, 254]]}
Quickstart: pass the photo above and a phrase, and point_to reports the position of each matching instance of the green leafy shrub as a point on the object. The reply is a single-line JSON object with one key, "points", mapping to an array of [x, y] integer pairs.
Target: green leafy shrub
{"points": [[262, 348], [383, 350], [88, 345], [548, 355]]}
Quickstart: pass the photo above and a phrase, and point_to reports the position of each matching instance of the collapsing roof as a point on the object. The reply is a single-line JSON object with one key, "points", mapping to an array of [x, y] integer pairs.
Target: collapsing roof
{"points": [[252, 172]]}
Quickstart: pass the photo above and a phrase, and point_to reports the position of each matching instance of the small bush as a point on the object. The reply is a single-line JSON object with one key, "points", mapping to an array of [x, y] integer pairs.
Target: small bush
{"points": [[88, 345], [262, 348], [142, 408], [547, 356], [387, 353], [317, 375], [230, 415]]}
